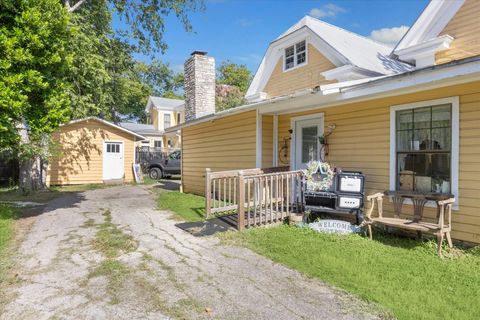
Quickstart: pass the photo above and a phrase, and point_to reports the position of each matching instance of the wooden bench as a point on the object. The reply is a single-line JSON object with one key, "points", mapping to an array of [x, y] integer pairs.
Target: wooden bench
{"points": [[440, 228]]}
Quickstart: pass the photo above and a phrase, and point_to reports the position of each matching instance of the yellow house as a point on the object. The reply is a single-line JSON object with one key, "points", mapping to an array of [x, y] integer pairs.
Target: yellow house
{"points": [[399, 115], [164, 113], [92, 150]]}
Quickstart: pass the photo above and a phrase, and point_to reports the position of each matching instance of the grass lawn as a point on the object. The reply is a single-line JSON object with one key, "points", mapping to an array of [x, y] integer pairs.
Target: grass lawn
{"points": [[14, 194], [403, 275], [185, 206], [7, 220]]}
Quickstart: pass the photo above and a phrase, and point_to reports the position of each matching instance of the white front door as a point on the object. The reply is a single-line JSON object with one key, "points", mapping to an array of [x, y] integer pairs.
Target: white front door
{"points": [[307, 145], [112, 160]]}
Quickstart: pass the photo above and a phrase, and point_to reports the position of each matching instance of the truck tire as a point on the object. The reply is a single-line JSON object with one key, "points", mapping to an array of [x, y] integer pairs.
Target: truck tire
{"points": [[155, 173]]}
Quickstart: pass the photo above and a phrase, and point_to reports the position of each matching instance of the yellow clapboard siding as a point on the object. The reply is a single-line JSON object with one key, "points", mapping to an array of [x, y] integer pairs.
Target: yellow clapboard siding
{"points": [[225, 144], [362, 142], [463, 27], [79, 159], [267, 141], [305, 77]]}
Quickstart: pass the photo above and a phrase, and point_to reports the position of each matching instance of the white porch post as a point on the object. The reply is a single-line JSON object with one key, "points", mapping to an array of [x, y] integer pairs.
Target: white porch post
{"points": [[275, 140], [258, 160]]}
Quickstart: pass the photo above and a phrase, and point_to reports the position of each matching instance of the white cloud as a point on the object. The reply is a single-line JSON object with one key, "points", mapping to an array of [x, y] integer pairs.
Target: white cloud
{"points": [[251, 58], [389, 36], [329, 10]]}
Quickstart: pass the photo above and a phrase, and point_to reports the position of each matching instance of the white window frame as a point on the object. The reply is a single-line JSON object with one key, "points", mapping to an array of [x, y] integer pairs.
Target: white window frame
{"points": [[455, 151], [295, 65], [169, 120], [155, 141]]}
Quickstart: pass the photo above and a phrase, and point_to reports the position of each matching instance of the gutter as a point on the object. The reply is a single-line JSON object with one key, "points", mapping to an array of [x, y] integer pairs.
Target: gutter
{"points": [[344, 94]]}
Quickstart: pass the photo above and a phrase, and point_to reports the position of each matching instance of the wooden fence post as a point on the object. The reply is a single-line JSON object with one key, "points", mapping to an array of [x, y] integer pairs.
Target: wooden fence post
{"points": [[208, 193], [241, 201]]}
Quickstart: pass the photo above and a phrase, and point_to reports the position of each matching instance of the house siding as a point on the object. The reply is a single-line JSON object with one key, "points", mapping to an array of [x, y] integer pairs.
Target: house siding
{"points": [[79, 154], [464, 27], [361, 141], [306, 77], [225, 144]]}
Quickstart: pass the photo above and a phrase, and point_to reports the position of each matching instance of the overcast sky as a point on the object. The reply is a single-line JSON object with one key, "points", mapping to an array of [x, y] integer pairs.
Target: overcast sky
{"points": [[240, 31]]}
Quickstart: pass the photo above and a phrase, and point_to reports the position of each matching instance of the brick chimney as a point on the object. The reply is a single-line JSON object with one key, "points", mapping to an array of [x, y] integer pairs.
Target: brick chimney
{"points": [[199, 85]]}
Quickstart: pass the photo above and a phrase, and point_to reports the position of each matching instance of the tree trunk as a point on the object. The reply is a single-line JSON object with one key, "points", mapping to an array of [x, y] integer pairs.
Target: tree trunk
{"points": [[33, 175]]}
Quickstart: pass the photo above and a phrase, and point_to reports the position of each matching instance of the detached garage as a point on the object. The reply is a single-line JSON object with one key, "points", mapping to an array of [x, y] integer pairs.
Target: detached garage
{"points": [[92, 150]]}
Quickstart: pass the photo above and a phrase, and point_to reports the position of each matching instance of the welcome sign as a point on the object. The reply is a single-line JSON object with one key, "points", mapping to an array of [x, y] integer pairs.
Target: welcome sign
{"points": [[334, 226]]}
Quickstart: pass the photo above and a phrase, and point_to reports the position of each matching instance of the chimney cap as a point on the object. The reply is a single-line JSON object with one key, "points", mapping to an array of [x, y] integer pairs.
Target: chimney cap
{"points": [[199, 53]]}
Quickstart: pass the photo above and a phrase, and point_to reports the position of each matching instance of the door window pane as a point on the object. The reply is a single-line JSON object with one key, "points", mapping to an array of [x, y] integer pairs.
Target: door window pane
{"points": [[309, 144]]}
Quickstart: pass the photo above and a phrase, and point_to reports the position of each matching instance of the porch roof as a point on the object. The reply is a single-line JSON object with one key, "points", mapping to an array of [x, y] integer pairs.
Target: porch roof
{"points": [[456, 72]]}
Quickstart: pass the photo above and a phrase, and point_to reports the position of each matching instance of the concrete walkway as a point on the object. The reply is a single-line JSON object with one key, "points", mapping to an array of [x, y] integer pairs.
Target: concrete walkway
{"points": [[171, 274]]}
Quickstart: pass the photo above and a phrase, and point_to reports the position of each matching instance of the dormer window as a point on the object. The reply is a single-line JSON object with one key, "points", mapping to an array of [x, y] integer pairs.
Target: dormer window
{"points": [[296, 55]]}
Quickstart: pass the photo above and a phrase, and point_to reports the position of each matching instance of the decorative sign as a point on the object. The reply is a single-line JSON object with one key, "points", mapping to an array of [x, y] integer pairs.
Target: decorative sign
{"points": [[137, 172], [334, 226]]}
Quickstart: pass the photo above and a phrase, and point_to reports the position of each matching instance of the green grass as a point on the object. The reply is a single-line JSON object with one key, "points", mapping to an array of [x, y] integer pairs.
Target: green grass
{"points": [[7, 221], [185, 206], [116, 273], [14, 194], [403, 275], [149, 181], [112, 241]]}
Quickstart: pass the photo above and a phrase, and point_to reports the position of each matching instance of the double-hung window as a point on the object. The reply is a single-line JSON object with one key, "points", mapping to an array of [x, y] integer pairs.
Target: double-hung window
{"points": [[296, 55], [424, 152], [166, 121]]}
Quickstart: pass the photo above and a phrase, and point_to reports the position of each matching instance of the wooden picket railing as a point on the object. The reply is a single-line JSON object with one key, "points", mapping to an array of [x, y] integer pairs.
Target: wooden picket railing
{"points": [[257, 198], [221, 190]]}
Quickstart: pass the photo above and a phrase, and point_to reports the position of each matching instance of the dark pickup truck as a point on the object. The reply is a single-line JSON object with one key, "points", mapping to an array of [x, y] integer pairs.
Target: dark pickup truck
{"points": [[164, 166]]}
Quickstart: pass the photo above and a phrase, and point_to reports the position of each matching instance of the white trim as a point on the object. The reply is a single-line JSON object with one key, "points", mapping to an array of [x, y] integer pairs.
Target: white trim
{"points": [[275, 52], [295, 53], [105, 122], [293, 121], [455, 151], [430, 23], [275, 141], [104, 152], [348, 72], [353, 91], [423, 54], [258, 138]]}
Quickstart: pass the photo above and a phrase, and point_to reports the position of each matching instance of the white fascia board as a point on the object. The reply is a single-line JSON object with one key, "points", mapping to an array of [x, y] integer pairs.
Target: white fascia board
{"points": [[149, 105], [423, 54], [276, 50], [430, 23], [348, 72], [108, 123], [424, 80], [259, 96]]}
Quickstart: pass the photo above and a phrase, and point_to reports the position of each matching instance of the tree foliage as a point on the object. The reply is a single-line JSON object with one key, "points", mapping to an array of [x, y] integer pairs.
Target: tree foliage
{"points": [[146, 18], [33, 68], [232, 84], [234, 75]]}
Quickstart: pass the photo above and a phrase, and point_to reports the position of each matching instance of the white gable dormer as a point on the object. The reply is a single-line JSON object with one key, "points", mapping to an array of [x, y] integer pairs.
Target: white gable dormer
{"points": [[343, 56]]}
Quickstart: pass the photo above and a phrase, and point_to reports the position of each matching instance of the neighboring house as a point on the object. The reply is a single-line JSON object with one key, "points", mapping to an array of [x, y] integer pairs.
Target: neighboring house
{"points": [[92, 150], [408, 117], [153, 137], [162, 113]]}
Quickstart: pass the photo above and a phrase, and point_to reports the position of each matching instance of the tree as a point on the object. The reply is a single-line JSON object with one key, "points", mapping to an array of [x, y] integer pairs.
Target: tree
{"points": [[161, 78], [33, 66], [146, 18], [232, 84], [234, 75]]}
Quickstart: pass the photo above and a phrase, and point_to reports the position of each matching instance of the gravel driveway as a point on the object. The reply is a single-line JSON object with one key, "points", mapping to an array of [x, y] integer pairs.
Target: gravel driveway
{"points": [[171, 274]]}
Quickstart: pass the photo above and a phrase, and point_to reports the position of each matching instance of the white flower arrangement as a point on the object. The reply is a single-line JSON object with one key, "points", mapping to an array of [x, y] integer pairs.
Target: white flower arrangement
{"points": [[319, 176]]}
